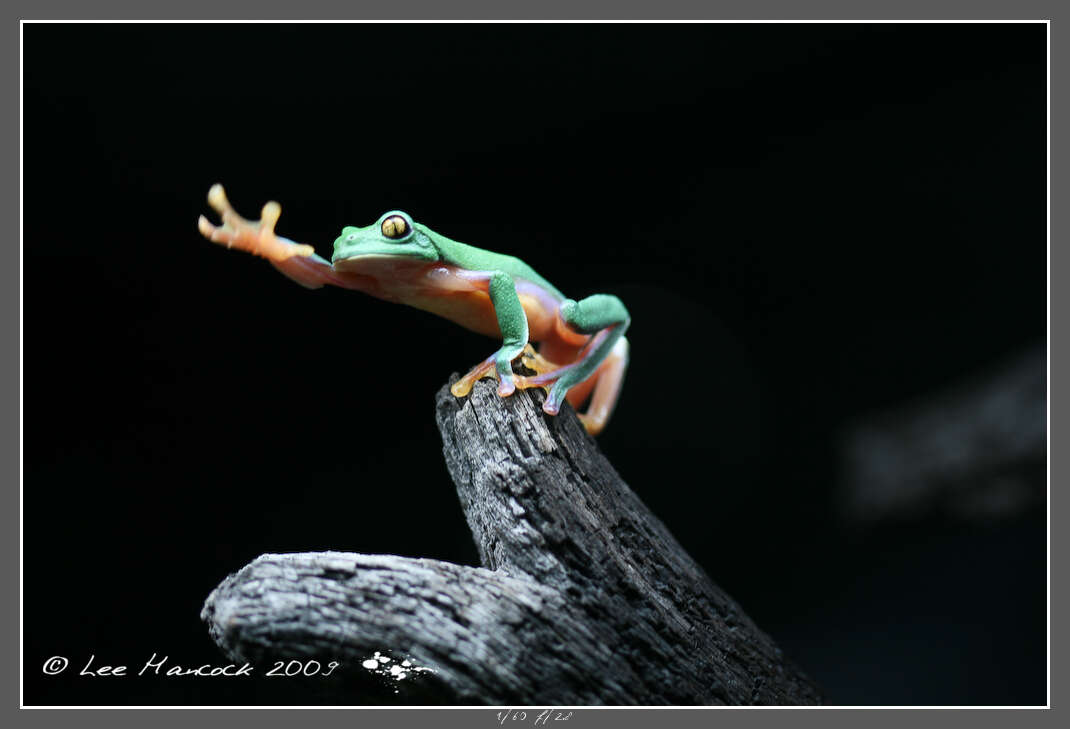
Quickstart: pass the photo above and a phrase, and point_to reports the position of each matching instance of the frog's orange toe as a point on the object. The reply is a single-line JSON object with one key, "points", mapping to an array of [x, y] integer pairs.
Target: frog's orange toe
{"points": [[463, 386], [269, 215], [206, 228]]}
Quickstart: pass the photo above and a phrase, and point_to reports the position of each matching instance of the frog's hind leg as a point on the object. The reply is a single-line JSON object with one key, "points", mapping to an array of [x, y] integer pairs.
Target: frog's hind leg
{"points": [[605, 356]]}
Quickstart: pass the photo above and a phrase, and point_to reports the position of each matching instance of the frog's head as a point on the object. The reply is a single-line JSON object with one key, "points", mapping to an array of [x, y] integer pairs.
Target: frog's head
{"points": [[393, 236]]}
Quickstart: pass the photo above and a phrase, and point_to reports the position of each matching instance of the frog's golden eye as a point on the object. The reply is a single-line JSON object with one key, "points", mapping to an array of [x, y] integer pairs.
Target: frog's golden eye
{"points": [[395, 227]]}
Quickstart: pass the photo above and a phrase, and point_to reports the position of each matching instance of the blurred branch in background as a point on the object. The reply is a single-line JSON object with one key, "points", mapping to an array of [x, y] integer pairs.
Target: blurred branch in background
{"points": [[974, 451]]}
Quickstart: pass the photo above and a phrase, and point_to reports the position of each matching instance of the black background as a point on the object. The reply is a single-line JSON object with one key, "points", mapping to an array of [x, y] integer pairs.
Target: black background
{"points": [[808, 223]]}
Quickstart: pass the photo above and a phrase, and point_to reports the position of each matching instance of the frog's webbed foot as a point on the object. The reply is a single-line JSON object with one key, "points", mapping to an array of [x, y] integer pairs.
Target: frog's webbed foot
{"points": [[529, 358], [602, 387], [253, 236]]}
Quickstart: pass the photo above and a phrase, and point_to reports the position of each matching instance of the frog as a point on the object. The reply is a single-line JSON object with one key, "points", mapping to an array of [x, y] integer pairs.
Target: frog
{"points": [[582, 352]]}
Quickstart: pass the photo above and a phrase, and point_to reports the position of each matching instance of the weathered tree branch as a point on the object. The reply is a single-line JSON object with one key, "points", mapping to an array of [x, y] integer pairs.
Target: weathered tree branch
{"points": [[584, 597]]}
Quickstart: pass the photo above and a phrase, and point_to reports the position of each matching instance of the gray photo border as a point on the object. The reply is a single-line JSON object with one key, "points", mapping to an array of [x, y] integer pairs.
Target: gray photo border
{"points": [[11, 316]]}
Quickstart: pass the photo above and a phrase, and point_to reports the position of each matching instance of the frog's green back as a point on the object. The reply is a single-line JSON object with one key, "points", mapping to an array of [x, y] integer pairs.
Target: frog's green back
{"points": [[478, 259]]}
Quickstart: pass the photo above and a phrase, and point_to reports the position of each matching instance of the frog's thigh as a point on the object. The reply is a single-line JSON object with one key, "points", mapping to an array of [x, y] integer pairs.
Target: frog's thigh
{"points": [[594, 313]]}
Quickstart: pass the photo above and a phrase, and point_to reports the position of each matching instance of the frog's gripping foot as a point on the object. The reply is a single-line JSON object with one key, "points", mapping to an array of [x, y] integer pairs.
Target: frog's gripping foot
{"points": [[602, 385], [529, 358], [256, 237]]}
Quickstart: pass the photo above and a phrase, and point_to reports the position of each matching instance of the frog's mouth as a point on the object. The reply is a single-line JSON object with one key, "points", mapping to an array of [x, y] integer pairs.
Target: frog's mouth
{"points": [[380, 264]]}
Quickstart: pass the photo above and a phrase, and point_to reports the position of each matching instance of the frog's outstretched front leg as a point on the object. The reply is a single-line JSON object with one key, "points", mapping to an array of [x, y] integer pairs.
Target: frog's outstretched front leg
{"points": [[256, 237], [297, 261]]}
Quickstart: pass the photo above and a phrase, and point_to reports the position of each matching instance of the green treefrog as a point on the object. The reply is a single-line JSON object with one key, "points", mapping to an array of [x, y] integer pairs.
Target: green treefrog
{"points": [[582, 350]]}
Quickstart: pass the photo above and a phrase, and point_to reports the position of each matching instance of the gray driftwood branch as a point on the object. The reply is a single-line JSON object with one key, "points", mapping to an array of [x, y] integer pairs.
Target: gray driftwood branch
{"points": [[584, 596]]}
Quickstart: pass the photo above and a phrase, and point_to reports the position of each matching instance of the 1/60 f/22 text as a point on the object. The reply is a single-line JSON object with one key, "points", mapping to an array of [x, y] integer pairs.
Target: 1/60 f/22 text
{"points": [[540, 718]]}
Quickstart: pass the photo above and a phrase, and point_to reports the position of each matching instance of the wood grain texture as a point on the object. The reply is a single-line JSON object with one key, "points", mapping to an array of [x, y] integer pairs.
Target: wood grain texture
{"points": [[584, 596]]}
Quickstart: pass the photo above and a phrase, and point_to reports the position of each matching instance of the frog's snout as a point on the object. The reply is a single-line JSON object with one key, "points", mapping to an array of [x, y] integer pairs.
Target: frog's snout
{"points": [[348, 236]]}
